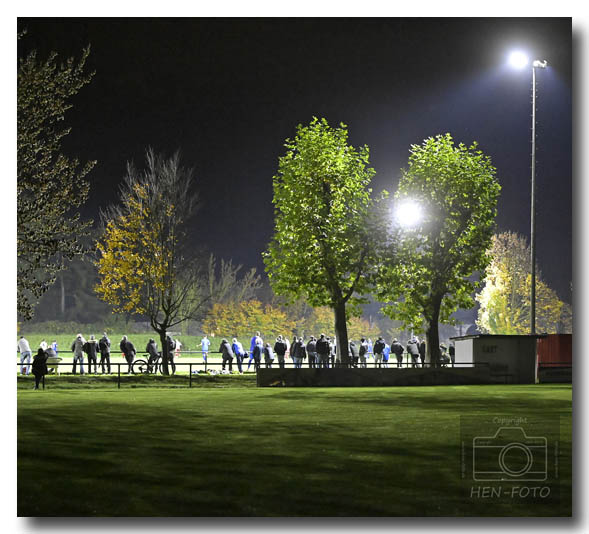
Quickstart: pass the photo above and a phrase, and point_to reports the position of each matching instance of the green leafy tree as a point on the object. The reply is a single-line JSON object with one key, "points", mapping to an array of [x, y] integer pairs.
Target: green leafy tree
{"points": [[50, 186], [432, 275], [505, 298], [322, 244], [145, 263]]}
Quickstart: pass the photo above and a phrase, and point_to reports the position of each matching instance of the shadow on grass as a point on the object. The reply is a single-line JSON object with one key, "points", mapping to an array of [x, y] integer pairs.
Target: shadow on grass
{"points": [[255, 453]]}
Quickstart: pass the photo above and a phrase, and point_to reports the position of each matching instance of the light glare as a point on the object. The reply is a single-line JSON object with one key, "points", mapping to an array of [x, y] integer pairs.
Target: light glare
{"points": [[518, 60], [408, 213]]}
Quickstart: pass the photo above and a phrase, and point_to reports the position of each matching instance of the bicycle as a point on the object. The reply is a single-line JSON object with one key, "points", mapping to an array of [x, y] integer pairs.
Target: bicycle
{"points": [[142, 366]]}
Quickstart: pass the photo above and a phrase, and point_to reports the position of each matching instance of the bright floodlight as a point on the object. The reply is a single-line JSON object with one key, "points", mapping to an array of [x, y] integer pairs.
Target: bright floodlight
{"points": [[408, 213], [518, 60]]}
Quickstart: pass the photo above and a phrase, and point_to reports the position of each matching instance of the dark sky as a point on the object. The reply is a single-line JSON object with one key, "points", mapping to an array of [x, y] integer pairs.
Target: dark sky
{"points": [[227, 92]]}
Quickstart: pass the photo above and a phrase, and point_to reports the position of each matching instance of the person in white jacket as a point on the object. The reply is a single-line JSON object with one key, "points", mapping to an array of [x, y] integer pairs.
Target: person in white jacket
{"points": [[25, 355], [78, 350]]}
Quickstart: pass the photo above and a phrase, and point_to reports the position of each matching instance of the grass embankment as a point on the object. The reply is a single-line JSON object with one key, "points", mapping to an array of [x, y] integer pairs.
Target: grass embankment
{"points": [[266, 452]]}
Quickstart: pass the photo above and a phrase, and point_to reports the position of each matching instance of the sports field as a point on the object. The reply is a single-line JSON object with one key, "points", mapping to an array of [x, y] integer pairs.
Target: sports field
{"points": [[231, 449]]}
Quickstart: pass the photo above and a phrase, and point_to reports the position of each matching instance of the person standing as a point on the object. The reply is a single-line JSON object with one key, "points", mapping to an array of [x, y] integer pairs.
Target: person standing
{"points": [[378, 350], [171, 350], [354, 354], [452, 353], [226, 354], [43, 345], [312, 353], [78, 349], [54, 346], [268, 356], [323, 349], [397, 350], [154, 355], [128, 350], [25, 356], [280, 350], [370, 351], [204, 347], [385, 355], [256, 357], [237, 348], [413, 351], [298, 352], [39, 366], [422, 352], [91, 349], [177, 348], [362, 351], [104, 347], [256, 341]]}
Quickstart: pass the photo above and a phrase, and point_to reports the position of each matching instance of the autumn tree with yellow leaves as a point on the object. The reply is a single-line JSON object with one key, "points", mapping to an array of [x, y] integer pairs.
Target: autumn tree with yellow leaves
{"points": [[505, 298], [144, 262]]}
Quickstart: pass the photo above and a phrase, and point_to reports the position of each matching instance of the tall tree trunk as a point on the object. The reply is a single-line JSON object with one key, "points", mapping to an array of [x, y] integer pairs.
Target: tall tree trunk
{"points": [[341, 334], [432, 335]]}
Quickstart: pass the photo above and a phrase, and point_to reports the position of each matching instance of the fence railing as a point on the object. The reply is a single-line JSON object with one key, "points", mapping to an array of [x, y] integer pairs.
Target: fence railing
{"points": [[141, 366]]}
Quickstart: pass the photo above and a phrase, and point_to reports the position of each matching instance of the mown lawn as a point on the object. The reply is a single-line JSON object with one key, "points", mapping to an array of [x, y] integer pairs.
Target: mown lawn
{"points": [[245, 451]]}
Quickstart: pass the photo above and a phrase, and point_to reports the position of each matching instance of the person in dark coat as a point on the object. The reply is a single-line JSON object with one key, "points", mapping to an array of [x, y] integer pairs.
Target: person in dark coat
{"points": [[323, 350], [298, 352], [104, 347], [362, 352], [227, 354], [128, 350], [422, 352], [154, 355], [257, 356], [39, 368], [280, 350], [91, 349], [354, 354], [413, 351], [171, 348], [379, 346], [397, 350], [452, 353], [312, 352]]}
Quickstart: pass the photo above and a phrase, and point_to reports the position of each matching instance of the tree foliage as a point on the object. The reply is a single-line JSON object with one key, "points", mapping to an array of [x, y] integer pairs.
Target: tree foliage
{"points": [[505, 298], [50, 185], [145, 265], [432, 274], [242, 318], [321, 244]]}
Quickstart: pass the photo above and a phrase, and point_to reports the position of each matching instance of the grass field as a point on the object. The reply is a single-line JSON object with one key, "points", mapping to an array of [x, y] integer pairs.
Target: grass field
{"points": [[246, 451]]}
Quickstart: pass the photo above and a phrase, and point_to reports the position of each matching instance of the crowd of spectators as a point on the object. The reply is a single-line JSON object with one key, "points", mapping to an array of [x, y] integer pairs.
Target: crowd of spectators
{"points": [[317, 352]]}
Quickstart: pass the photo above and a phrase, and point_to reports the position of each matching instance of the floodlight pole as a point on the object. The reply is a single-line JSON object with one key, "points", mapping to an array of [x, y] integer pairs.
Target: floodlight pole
{"points": [[542, 65]]}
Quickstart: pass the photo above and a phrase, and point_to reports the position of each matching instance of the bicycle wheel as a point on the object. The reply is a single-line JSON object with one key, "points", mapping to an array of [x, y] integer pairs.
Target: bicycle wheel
{"points": [[140, 367]]}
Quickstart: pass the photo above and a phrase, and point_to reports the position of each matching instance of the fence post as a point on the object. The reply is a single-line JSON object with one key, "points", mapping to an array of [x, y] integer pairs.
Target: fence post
{"points": [[119, 374], [190, 380]]}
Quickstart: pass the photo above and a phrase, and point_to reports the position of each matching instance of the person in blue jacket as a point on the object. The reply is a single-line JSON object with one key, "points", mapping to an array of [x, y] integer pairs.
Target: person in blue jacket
{"points": [[256, 341], [239, 353], [385, 355], [204, 346]]}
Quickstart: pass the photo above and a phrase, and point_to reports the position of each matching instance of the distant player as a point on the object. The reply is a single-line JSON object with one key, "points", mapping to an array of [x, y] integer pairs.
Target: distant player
{"points": [[204, 345]]}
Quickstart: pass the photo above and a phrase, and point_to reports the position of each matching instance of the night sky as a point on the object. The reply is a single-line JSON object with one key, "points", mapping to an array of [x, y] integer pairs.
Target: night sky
{"points": [[228, 92]]}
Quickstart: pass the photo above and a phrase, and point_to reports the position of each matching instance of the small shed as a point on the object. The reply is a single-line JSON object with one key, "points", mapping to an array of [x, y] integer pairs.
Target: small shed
{"points": [[511, 358]]}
